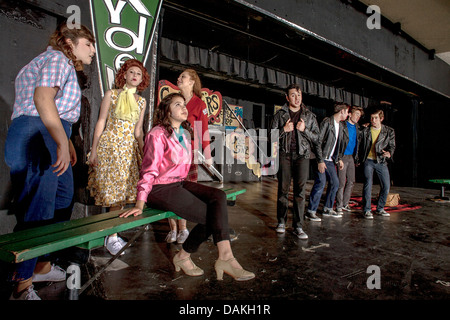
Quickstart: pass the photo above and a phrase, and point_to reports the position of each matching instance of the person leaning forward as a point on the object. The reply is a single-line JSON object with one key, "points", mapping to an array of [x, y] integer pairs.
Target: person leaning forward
{"points": [[38, 150], [298, 132]]}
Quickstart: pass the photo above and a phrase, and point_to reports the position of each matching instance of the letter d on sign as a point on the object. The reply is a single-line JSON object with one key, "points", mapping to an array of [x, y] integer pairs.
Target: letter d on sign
{"points": [[74, 280], [374, 281]]}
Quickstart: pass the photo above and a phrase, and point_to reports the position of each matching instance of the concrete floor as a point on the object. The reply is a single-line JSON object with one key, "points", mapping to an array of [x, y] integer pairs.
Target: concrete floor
{"points": [[410, 248]]}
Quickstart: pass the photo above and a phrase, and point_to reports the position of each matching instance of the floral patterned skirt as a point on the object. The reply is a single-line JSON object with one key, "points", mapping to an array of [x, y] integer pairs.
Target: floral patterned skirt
{"points": [[114, 181]]}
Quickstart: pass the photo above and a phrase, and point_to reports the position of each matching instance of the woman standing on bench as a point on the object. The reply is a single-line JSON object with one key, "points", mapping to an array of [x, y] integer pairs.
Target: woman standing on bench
{"points": [[166, 163], [38, 150], [118, 142]]}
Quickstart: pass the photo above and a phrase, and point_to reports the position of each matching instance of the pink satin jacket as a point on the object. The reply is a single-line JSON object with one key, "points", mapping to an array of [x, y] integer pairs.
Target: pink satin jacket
{"points": [[165, 161]]}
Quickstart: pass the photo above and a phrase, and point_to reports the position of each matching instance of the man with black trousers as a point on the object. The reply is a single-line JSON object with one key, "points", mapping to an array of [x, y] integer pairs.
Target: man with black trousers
{"points": [[298, 132]]}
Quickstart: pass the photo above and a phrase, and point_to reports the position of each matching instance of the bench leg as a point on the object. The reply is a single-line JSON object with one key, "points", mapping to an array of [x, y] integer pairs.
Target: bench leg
{"points": [[442, 195], [95, 276]]}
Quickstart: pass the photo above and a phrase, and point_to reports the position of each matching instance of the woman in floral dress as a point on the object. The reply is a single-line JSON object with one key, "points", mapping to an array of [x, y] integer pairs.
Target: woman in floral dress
{"points": [[117, 146]]}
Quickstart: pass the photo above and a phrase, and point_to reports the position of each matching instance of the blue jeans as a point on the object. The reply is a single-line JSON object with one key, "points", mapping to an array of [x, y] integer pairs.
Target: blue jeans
{"points": [[329, 175], [30, 152], [383, 175]]}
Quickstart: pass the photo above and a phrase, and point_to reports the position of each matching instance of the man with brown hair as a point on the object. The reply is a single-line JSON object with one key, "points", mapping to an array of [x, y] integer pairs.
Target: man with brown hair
{"points": [[377, 147], [328, 155], [298, 132], [350, 144]]}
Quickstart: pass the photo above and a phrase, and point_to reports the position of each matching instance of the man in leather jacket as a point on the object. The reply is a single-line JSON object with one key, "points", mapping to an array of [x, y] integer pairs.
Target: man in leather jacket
{"points": [[328, 155], [298, 132], [377, 147], [351, 140]]}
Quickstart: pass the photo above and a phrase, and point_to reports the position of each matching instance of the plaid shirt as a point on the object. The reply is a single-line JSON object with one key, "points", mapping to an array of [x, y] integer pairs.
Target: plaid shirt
{"points": [[50, 69]]}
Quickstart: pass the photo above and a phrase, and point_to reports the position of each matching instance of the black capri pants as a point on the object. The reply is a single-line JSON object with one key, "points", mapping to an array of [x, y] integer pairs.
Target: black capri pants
{"points": [[206, 206]]}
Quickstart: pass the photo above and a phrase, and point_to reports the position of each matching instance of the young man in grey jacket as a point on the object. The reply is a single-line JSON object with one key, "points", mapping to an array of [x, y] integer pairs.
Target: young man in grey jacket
{"points": [[298, 133]]}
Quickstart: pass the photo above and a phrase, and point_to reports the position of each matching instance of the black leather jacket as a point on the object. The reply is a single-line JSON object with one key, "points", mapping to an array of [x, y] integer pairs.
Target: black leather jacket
{"points": [[385, 141], [306, 139], [346, 139], [326, 140]]}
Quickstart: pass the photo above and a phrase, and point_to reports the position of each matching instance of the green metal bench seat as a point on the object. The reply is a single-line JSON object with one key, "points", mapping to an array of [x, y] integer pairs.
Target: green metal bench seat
{"points": [[88, 232]]}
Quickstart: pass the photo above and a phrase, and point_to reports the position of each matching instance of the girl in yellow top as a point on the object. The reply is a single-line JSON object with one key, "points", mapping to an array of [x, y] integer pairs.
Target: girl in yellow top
{"points": [[117, 145]]}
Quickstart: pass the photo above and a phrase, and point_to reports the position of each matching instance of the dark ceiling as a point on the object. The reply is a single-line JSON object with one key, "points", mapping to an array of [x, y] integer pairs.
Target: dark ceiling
{"points": [[230, 28]]}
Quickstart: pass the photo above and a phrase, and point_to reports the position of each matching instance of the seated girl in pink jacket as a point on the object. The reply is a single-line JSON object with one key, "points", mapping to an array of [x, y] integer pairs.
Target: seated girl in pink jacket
{"points": [[162, 184]]}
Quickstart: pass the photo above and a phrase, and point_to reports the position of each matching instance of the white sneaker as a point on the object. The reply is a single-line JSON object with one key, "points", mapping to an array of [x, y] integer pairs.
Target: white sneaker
{"points": [[311, 215], [383, 213], [113, 245], [171, 236], [331, 213], [368, 215], [347, 208], [281, 228], [27, 294], [300, 234], [56, 274], [182, 236]]}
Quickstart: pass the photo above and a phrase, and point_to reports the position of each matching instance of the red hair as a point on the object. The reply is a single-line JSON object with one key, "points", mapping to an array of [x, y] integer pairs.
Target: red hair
{"points": [[120, 76], [197, 83]]}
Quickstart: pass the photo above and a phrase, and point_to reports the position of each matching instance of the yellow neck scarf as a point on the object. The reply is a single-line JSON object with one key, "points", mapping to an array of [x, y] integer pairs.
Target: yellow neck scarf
{"points": [[127, 108]]}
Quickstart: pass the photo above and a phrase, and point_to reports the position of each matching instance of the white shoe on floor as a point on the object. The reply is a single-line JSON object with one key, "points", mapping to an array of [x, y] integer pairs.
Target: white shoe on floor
{"points": [[281, 228], [310, 215], [27, 294], [56, 274], [347, 208], [300, 234], [331, 213], [382, 213], [368, 215]]}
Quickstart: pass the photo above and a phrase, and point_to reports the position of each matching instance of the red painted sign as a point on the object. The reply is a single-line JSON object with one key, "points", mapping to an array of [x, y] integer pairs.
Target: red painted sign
{"points": [[212, 99]]}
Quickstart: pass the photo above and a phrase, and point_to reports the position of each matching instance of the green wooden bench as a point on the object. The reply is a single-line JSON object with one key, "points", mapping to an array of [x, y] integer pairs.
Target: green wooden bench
{"points": [[87, 233], [442, 183]]}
